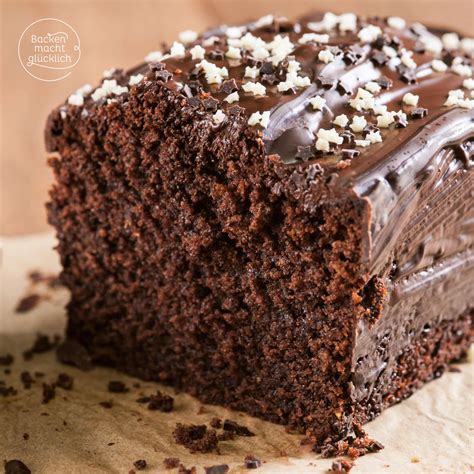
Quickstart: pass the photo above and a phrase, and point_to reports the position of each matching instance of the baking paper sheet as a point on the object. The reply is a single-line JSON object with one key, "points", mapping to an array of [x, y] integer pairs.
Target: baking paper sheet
{"points": [[430, 432]]}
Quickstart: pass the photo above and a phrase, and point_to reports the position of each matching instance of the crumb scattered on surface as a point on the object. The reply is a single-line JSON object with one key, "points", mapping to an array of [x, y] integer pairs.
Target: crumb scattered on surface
{"points": [[6, 359], [415, 459], [15, 466], [219, 469], [340, 466], [140, 464], [171, 463], [184, 470], [106, 404], [234, 427], [352, 446], [251, 462], [26, 379], [65, 381], [216, 423], [116, 386], [27, 303], [49, 392], [41, 344], [196, 438], [159, 401]]}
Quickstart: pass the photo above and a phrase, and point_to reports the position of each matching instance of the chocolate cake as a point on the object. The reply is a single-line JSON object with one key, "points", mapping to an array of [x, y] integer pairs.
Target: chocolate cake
{"points": [[275, 217]]}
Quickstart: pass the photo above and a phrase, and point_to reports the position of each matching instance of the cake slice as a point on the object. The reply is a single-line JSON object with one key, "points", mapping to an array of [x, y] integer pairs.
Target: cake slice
{"points": [[275, 217]]}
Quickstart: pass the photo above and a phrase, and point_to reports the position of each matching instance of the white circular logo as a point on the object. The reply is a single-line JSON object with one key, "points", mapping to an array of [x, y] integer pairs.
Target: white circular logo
{"points": [[48, 49]]}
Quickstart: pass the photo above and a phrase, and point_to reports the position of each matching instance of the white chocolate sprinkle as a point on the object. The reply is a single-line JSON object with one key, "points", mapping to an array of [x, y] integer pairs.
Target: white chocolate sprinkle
{"points": [[260, 53], [330, 135], [252, 72], [467, 45], [326, 56], [389, 51], [211, 41], [154, 56], [407, 60], [231, 98], [372, 87], [431, 43], [218, 117], [213, 73], [188, 36], [379, 109], [256, 88], [364, 100], [341, 120], [264, 21], [108, 87], [358, 123], [468, 83], [385, 119], [265, 120], [450, 41], [233, 53], [136, 79], [258, 118], [108, 72], [438, 65], [317, 102], [396, 22], [313, 38], [410, 99], [369, 33], [285, 86], [347, 22], [234, 32], [466, 103], [362, 143], [462, 69], [197, 52], [75, 99], [322, 145], [374, 137], [177, 50]]}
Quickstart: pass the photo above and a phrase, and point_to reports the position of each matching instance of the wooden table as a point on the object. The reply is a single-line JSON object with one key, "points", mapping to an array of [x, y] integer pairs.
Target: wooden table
{"points": [[120, 33]]}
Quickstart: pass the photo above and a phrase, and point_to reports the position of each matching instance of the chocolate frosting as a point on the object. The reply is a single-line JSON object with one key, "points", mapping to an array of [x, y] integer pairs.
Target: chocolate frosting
{"points": [[401, 177]]}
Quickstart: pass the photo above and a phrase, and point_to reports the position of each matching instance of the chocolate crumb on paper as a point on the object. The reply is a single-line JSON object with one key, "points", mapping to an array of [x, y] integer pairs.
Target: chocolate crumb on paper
{"points": [[49, 392], [140, 464], [117, 386], [42, 344], [251, 462], [27, 303], [15, 466], [341, 466], [239, 430], [219, 469], [6, 359], [171, 463], [196, 438]]}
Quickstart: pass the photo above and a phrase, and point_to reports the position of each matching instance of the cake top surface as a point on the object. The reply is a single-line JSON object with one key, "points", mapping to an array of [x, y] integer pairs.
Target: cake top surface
{"points": [[339, 90]]}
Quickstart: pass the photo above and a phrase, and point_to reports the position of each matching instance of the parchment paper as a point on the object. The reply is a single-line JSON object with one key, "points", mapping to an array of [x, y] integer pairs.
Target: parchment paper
{"points": [[430, 432]]}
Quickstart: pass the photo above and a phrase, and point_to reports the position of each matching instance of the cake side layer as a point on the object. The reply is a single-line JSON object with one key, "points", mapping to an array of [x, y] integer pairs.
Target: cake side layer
{"points": [[417, 306]]}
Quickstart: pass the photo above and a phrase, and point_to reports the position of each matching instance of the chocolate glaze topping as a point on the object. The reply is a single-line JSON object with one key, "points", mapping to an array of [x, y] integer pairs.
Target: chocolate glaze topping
{"points": [[394, 175]]}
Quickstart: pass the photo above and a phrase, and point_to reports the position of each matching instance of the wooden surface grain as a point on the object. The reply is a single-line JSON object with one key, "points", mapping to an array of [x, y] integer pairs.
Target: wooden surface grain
{"points": [[120, 33]]}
